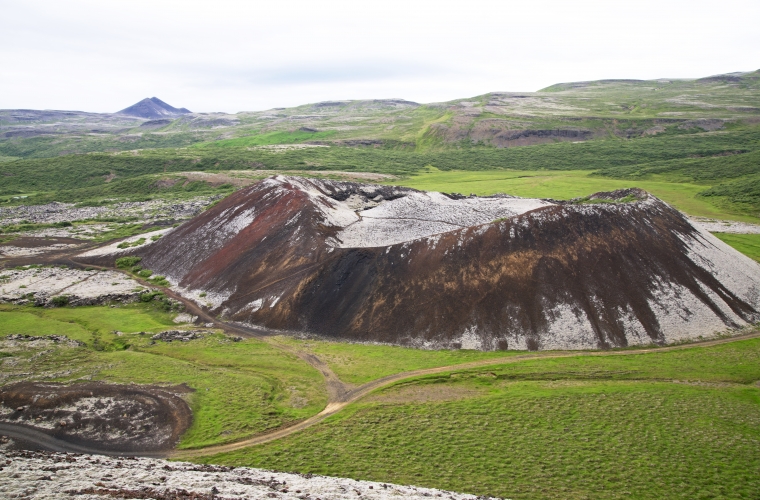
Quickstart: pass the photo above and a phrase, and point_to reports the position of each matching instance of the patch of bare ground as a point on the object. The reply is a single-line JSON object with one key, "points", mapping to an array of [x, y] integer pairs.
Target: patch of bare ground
{"points": [[32, 242], [28, 246], [242, 178], [106, 417]]}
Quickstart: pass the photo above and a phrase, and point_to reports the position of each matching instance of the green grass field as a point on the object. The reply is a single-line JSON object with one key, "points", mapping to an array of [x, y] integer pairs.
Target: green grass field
{"points": [[720, 167], [748, 244], [680, 424], [360, 363], [564, 185], [85, 324], [535, 440]]}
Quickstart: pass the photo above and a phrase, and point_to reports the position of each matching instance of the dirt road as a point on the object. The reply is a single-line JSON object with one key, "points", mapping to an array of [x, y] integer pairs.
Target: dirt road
{"points": [[356, 394]]}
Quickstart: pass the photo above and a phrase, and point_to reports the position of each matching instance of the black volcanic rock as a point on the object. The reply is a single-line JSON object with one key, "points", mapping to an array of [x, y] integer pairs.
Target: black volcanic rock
{"points": [[388, 264], [153, 108]]}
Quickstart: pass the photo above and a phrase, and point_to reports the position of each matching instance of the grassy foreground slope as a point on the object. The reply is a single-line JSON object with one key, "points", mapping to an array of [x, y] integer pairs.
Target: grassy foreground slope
{"points": [[585, 427]]}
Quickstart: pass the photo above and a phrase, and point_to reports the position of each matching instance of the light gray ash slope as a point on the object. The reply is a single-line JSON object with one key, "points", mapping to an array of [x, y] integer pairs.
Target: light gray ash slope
{"points": [[377, 263]]}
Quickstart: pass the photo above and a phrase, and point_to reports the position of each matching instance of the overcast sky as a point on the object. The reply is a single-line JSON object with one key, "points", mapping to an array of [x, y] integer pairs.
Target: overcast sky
{"points": [[225, 55]]}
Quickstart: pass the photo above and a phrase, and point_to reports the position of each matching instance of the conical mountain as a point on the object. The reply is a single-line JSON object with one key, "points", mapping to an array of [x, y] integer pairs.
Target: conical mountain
{"points": [[152, 108]]}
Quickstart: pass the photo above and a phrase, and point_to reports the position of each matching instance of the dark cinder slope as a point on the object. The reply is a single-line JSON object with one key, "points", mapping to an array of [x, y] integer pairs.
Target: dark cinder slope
{"points": [[378, 263], [153, 108]]}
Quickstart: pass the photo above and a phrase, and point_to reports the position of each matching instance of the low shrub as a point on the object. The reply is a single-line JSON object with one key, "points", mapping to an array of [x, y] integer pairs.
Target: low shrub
{"points": [[160, 281], [60, 301], [147, 297], [126, 262], [130, 244]]}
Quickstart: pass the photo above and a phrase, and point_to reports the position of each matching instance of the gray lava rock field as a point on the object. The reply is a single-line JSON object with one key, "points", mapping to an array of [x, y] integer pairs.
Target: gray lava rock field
{"points": [[49, 476]]}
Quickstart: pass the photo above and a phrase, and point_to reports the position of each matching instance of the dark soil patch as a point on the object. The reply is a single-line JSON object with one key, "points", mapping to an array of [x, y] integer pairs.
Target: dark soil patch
{"points": [[108, 417]]}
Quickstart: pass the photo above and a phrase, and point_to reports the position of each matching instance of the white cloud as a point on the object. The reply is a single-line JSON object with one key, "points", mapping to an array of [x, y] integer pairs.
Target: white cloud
{"points": [[244, 55]]}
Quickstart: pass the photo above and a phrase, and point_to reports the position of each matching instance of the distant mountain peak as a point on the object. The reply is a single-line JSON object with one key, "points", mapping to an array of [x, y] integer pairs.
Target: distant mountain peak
{"points": [[153, 107]]}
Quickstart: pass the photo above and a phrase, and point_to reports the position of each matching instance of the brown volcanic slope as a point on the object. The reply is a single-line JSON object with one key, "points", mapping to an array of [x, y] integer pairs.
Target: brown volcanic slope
{"points": [[378, 263]]}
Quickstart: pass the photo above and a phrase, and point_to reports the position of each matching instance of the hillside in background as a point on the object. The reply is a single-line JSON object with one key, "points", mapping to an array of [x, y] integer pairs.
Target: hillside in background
{"points": [[703, 132], [565, 112], [153, 107]]}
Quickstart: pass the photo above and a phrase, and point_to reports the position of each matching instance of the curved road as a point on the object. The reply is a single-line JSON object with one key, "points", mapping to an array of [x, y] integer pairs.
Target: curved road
{"points": [[361, 391]]}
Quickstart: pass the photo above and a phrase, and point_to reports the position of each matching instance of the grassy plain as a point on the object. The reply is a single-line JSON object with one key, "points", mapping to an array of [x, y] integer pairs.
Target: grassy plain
{"points": [[662, 424], [748, 244], [696, 160], [567, 184], [534, 440], [361, 363], [584, 427]]}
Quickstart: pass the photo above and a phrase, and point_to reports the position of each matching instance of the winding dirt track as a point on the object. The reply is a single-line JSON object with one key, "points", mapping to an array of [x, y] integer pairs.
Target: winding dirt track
{"points": [[354, 395], [340, 394]]}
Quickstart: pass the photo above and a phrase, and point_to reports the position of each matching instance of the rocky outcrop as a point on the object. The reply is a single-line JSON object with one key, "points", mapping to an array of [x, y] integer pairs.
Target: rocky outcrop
{"points": [[383, 264], [50, 476], [180, 335], [56, 339], [54, 287], [503, 134]]}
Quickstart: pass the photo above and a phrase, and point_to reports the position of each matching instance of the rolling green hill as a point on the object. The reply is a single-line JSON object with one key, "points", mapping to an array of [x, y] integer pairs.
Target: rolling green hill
{"points": [[703, 132]]}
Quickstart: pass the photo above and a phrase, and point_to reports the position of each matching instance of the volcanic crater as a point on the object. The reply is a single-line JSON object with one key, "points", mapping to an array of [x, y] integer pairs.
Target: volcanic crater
{"points": [[108, 417], [375, 263]]}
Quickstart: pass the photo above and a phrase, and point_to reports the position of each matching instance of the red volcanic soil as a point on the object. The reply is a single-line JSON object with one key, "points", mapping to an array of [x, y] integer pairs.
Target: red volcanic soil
{"points": [[435, 271]]}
